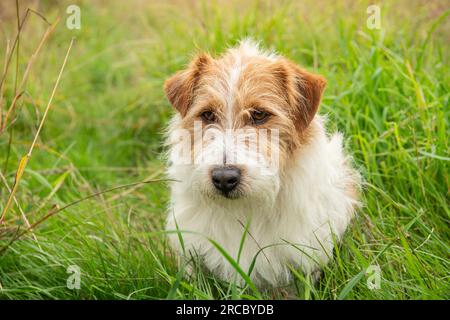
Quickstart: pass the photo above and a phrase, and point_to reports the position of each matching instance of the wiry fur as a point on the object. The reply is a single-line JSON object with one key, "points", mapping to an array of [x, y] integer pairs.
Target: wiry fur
{"points": [[293, 212]]}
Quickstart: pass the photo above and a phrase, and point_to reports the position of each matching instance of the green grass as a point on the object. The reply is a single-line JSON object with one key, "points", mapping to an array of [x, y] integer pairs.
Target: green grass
{"points": [[388, 92]]}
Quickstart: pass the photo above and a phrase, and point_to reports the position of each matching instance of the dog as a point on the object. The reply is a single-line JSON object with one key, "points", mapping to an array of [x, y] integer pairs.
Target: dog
{"points": [[274, 205]]}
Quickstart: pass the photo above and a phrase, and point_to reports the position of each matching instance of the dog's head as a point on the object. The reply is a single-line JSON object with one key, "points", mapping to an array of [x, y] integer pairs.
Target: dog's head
{"points": [[241, 117]]}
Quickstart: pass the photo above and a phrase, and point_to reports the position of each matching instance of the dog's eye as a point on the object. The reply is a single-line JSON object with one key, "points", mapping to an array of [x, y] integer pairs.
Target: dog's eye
{"points": [[208, 116], [259, 117]]}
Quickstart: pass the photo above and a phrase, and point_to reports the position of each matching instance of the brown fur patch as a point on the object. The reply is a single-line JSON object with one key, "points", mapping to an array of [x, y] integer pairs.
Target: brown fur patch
{"points": [[180, 88]]}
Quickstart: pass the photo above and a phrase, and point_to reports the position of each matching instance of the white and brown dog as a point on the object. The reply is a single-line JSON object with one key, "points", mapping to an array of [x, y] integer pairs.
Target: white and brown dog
{"points": [[290, 193]]}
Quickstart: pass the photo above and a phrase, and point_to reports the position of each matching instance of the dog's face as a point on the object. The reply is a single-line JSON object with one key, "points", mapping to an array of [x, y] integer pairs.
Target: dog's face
{"points": [[241, 118]]}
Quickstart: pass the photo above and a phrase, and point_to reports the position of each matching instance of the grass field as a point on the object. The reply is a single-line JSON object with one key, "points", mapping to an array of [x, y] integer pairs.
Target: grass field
{"points": [[388, 92]]}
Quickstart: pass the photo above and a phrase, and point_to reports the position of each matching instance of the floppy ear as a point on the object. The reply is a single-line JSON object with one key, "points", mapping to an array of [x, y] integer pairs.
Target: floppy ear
{"points": [[180, 87], [304, 90]]}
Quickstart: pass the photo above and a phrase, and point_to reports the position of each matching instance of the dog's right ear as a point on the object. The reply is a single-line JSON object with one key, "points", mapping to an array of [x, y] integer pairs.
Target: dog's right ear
{"points": [[180, 87]]}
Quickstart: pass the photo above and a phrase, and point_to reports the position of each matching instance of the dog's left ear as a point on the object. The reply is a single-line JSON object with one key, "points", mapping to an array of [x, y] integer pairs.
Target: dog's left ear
{"points": [[304, 90], [180, 87]]}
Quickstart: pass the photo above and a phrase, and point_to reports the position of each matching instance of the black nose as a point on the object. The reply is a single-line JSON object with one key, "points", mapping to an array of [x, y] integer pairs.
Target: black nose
{"points": [[226, 179]]}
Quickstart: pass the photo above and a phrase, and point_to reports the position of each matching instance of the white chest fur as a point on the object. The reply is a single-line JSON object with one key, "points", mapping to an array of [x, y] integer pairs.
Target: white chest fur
{"points": [[315, 201]]}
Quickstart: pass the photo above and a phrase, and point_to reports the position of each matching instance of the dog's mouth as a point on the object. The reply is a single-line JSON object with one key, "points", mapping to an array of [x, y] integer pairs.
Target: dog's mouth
{"points": [[235, 194], [230, 195]]}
